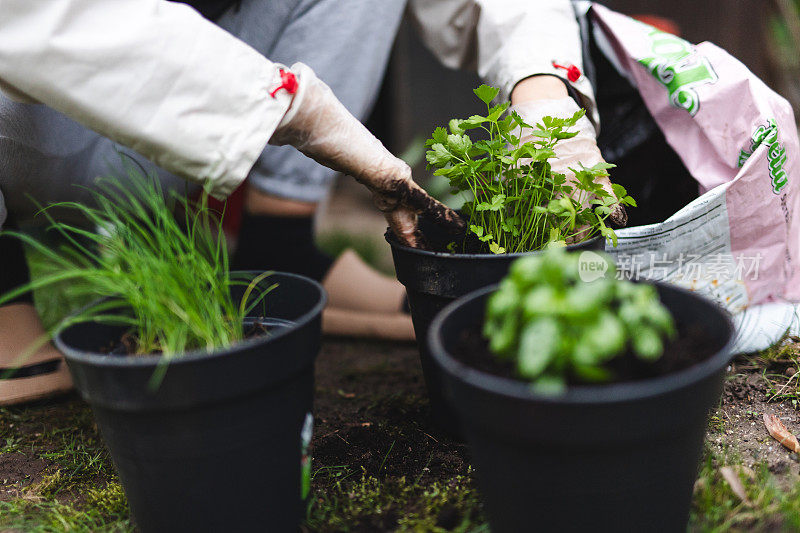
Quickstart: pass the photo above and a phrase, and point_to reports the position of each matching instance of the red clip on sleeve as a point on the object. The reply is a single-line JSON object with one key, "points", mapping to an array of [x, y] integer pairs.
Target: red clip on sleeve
{"points": [[573, 72], [288, 82]]}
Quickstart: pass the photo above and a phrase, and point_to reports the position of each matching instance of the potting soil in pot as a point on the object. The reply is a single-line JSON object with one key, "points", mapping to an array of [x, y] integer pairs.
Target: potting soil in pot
{"points": [[126, 345], [690, 347]]}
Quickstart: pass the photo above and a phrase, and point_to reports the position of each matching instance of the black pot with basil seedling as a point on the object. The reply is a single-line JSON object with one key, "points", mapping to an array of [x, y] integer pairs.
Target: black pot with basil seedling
{"points": [[585, 403], [515, 205], [201, 380]]}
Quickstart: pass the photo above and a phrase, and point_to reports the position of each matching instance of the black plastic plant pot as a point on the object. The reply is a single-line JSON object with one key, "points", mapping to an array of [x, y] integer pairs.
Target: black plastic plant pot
{"points": [[217, 445], [614, 457], [433, 280]]}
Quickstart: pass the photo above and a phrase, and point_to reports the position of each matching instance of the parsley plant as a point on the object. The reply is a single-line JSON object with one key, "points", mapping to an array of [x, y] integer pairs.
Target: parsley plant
{"points": [[516, 202]]}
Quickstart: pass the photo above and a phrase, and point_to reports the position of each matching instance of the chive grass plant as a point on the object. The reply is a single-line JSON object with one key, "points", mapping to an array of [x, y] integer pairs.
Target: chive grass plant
{"points": [[514, 201], [168, 281]]}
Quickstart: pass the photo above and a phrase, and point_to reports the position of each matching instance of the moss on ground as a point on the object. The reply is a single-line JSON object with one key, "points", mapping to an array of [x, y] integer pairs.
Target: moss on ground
{"points": [[65, 436], [102, 509], [716, 507], [395, 504], [76, 489]]}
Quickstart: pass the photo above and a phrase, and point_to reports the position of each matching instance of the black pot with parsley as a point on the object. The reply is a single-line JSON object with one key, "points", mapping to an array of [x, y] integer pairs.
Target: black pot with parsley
{"points": [[514, 204]]}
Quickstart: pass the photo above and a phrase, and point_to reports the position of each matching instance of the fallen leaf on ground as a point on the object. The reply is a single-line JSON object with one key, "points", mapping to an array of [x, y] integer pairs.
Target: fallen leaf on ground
{"points": [[730, 475], [347, 395], [780, 433]]}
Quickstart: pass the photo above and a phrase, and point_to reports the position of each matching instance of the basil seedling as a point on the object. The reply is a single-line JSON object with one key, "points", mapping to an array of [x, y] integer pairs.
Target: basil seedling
{"points": [[553, 326]]}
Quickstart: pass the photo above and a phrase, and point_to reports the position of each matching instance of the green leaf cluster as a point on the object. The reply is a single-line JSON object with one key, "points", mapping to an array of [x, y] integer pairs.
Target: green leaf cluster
{"points": [[514, 201], [164, 275], [554, 326]]}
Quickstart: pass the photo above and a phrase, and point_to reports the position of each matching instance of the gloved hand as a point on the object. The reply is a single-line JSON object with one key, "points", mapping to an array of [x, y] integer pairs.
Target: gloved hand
{"points": [[570, 152], [319, 125]]}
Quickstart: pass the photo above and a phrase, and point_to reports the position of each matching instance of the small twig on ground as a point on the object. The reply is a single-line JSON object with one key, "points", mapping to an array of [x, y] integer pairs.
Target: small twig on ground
{"points": [[329, 434], [429, 436]]}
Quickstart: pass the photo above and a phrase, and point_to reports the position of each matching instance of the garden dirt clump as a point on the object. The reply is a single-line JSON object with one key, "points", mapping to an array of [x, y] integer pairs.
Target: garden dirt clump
{"points": [[21, 469], [372, 414], [738, 429]]}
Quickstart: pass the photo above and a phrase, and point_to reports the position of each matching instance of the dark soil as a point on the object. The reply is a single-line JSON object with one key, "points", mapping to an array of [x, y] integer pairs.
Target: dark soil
{"points": [[436, 238], [128, 344], [690, 347], [372, 421], [18, 471], [372, 411], [738, 426]]}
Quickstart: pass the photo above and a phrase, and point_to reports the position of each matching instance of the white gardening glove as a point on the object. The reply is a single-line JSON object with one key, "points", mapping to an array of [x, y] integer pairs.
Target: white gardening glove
{"points": [[319, 125], [581, 149]]}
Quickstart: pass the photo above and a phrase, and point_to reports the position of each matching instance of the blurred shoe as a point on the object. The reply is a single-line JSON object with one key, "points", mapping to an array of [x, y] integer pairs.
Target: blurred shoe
{"points": [[41, 375], [363, 302]]}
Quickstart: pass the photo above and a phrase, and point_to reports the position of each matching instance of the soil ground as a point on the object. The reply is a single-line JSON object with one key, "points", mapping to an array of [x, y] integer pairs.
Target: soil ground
{"points": [[753, 389], [378, 463]]}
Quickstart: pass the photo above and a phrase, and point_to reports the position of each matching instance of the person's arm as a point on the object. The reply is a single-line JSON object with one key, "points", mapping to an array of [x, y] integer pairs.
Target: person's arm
{"points": [[508, 42], [149, 74], [157, 77], [539, 88], [321, 127], [521, 47]]}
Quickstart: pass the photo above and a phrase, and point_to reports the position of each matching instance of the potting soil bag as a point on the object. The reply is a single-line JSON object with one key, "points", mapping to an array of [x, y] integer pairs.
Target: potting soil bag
{"points": [[739, 242]]}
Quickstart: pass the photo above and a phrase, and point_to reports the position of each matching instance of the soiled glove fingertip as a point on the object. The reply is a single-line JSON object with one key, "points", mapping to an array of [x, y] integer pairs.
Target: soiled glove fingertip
{"points": [[403, 224], [413, 239], [619, 217]]}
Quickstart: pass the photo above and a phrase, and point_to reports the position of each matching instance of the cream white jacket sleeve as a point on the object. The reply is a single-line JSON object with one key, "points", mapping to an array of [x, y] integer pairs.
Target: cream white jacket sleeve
{"points": [[152, 75], [505, 40]]}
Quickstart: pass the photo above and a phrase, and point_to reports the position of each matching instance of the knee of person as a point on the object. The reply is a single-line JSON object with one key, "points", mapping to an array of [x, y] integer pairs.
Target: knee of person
{"points": [[16, 136], [261, 203], [3, 210], [15, 123]]}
